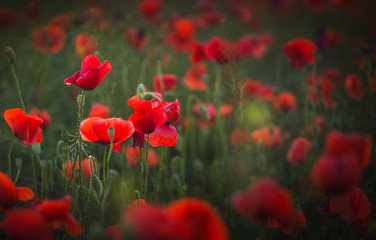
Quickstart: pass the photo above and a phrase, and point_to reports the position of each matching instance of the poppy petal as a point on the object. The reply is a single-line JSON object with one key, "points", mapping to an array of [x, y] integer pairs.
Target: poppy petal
{"points": [[25, 194]]}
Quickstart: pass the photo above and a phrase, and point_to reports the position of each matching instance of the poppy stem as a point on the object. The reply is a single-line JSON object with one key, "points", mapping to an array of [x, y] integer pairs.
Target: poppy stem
{"points": [[34, 174], [9, 154], [109, 157], [160, 76], [17, 85], [163, 154], [142, 171], [146, 168], [104, 165]]}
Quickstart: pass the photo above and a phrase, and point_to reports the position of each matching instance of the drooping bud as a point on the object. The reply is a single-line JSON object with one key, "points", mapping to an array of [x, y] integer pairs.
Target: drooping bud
{"points": [[140, 91], [19, 163], [36, 148], [10, 54]]}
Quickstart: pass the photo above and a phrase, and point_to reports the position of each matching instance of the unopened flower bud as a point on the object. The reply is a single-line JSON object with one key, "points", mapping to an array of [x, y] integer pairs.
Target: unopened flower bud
{"points": [[36, 148], [111, 132], [10, 54], [140, 91], [19, 162], [148, 96], [43, 163]]}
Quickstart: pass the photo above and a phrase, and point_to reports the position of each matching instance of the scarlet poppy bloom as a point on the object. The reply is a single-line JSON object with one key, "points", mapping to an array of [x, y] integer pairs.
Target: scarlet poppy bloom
{"points": [[299, 150], [91, 74], [198, 52], [136, 38], [169, 82], [85, 45], [193, 78], [286, 101], [209, 18], [42, 114], [243, 12], [293, 221], [255, 45], [264, 201], [87, 168], [133, 156], [300, 52], [58, 213], [182, 38], [148, 116], [320, 88], [26, 224], [165, 135], [354, 87], [135, 99], [25, 127], [48, 39], [10, 194], [172, 110], [206, 113], [239, 136], [221, 51], [201, 220], [95, 129], [352, 206], [150, 10], [99, 110], [256, 89], [267, 138], [7, 18], [340, 144]]}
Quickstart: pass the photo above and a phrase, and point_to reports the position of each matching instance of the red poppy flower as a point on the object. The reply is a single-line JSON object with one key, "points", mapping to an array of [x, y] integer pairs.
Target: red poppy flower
{"points": [[10, 193], [87, 168], [351, 206], [165, 135], [99, 110], [267, 138], [133, 156], [42, 114], [91, 74], [339, 144], [200, 219], [48, 39], [172, 110], [85, 45], [299, 150], [333, 75], [135, 99], [95, 129], [209, 18], [286, 101], [243, 12], [183, 36], [26, 224], [25, 127], [136, 38], [255, 45], [354, 87], [169, 82], [265, 200], [293, 221], [205, 5], [148, 116], [7, 18], [331, 39], [206, 113], [198, 53], [150, 10], [256, 89], [300, 52], [221, 51], [58, 213], [239, 136], [193, 79], [320, 88]]}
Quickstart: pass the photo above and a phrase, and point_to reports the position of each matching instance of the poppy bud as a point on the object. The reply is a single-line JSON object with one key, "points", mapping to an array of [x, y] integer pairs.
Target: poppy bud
{"points": [[140, 91], [148, 96], [36, 148], [10, 54], [19, 162], [43, 163], [111, 132]]}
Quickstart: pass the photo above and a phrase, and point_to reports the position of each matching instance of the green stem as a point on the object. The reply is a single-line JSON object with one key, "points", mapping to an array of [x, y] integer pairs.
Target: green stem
{"points": [[34, 174], [18, 86], [160, 171], [104, 165], [142, 171], [17, 176], [108, 158], [160, 76], [147, 168], [9, 154]]}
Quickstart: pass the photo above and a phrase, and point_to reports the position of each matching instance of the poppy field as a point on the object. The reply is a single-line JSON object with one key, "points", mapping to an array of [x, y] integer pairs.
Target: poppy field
{"points": [[187, 120]]}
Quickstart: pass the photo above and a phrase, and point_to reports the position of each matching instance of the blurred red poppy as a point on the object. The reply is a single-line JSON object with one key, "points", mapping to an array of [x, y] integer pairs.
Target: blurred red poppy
{"points": [[26, 224], [85, 45], [91, 74], [150, 10], [48, 39], [10, 194], [299, 150], [95, 129], [25, 127], [87, 168], [182, 38], [354, 87], [193, 78], [133, 156], [198, 52], [99, 110], [300, 52], [42, 114], [148, 116], [239, 136], [57, 212], [31, 12], [256, 89], [136, 38], [255, 45], [209, 18], [7, 18], [200, 219], [286, 101], [64, 21], [268, 138], [222, 51], [169, 82]]}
